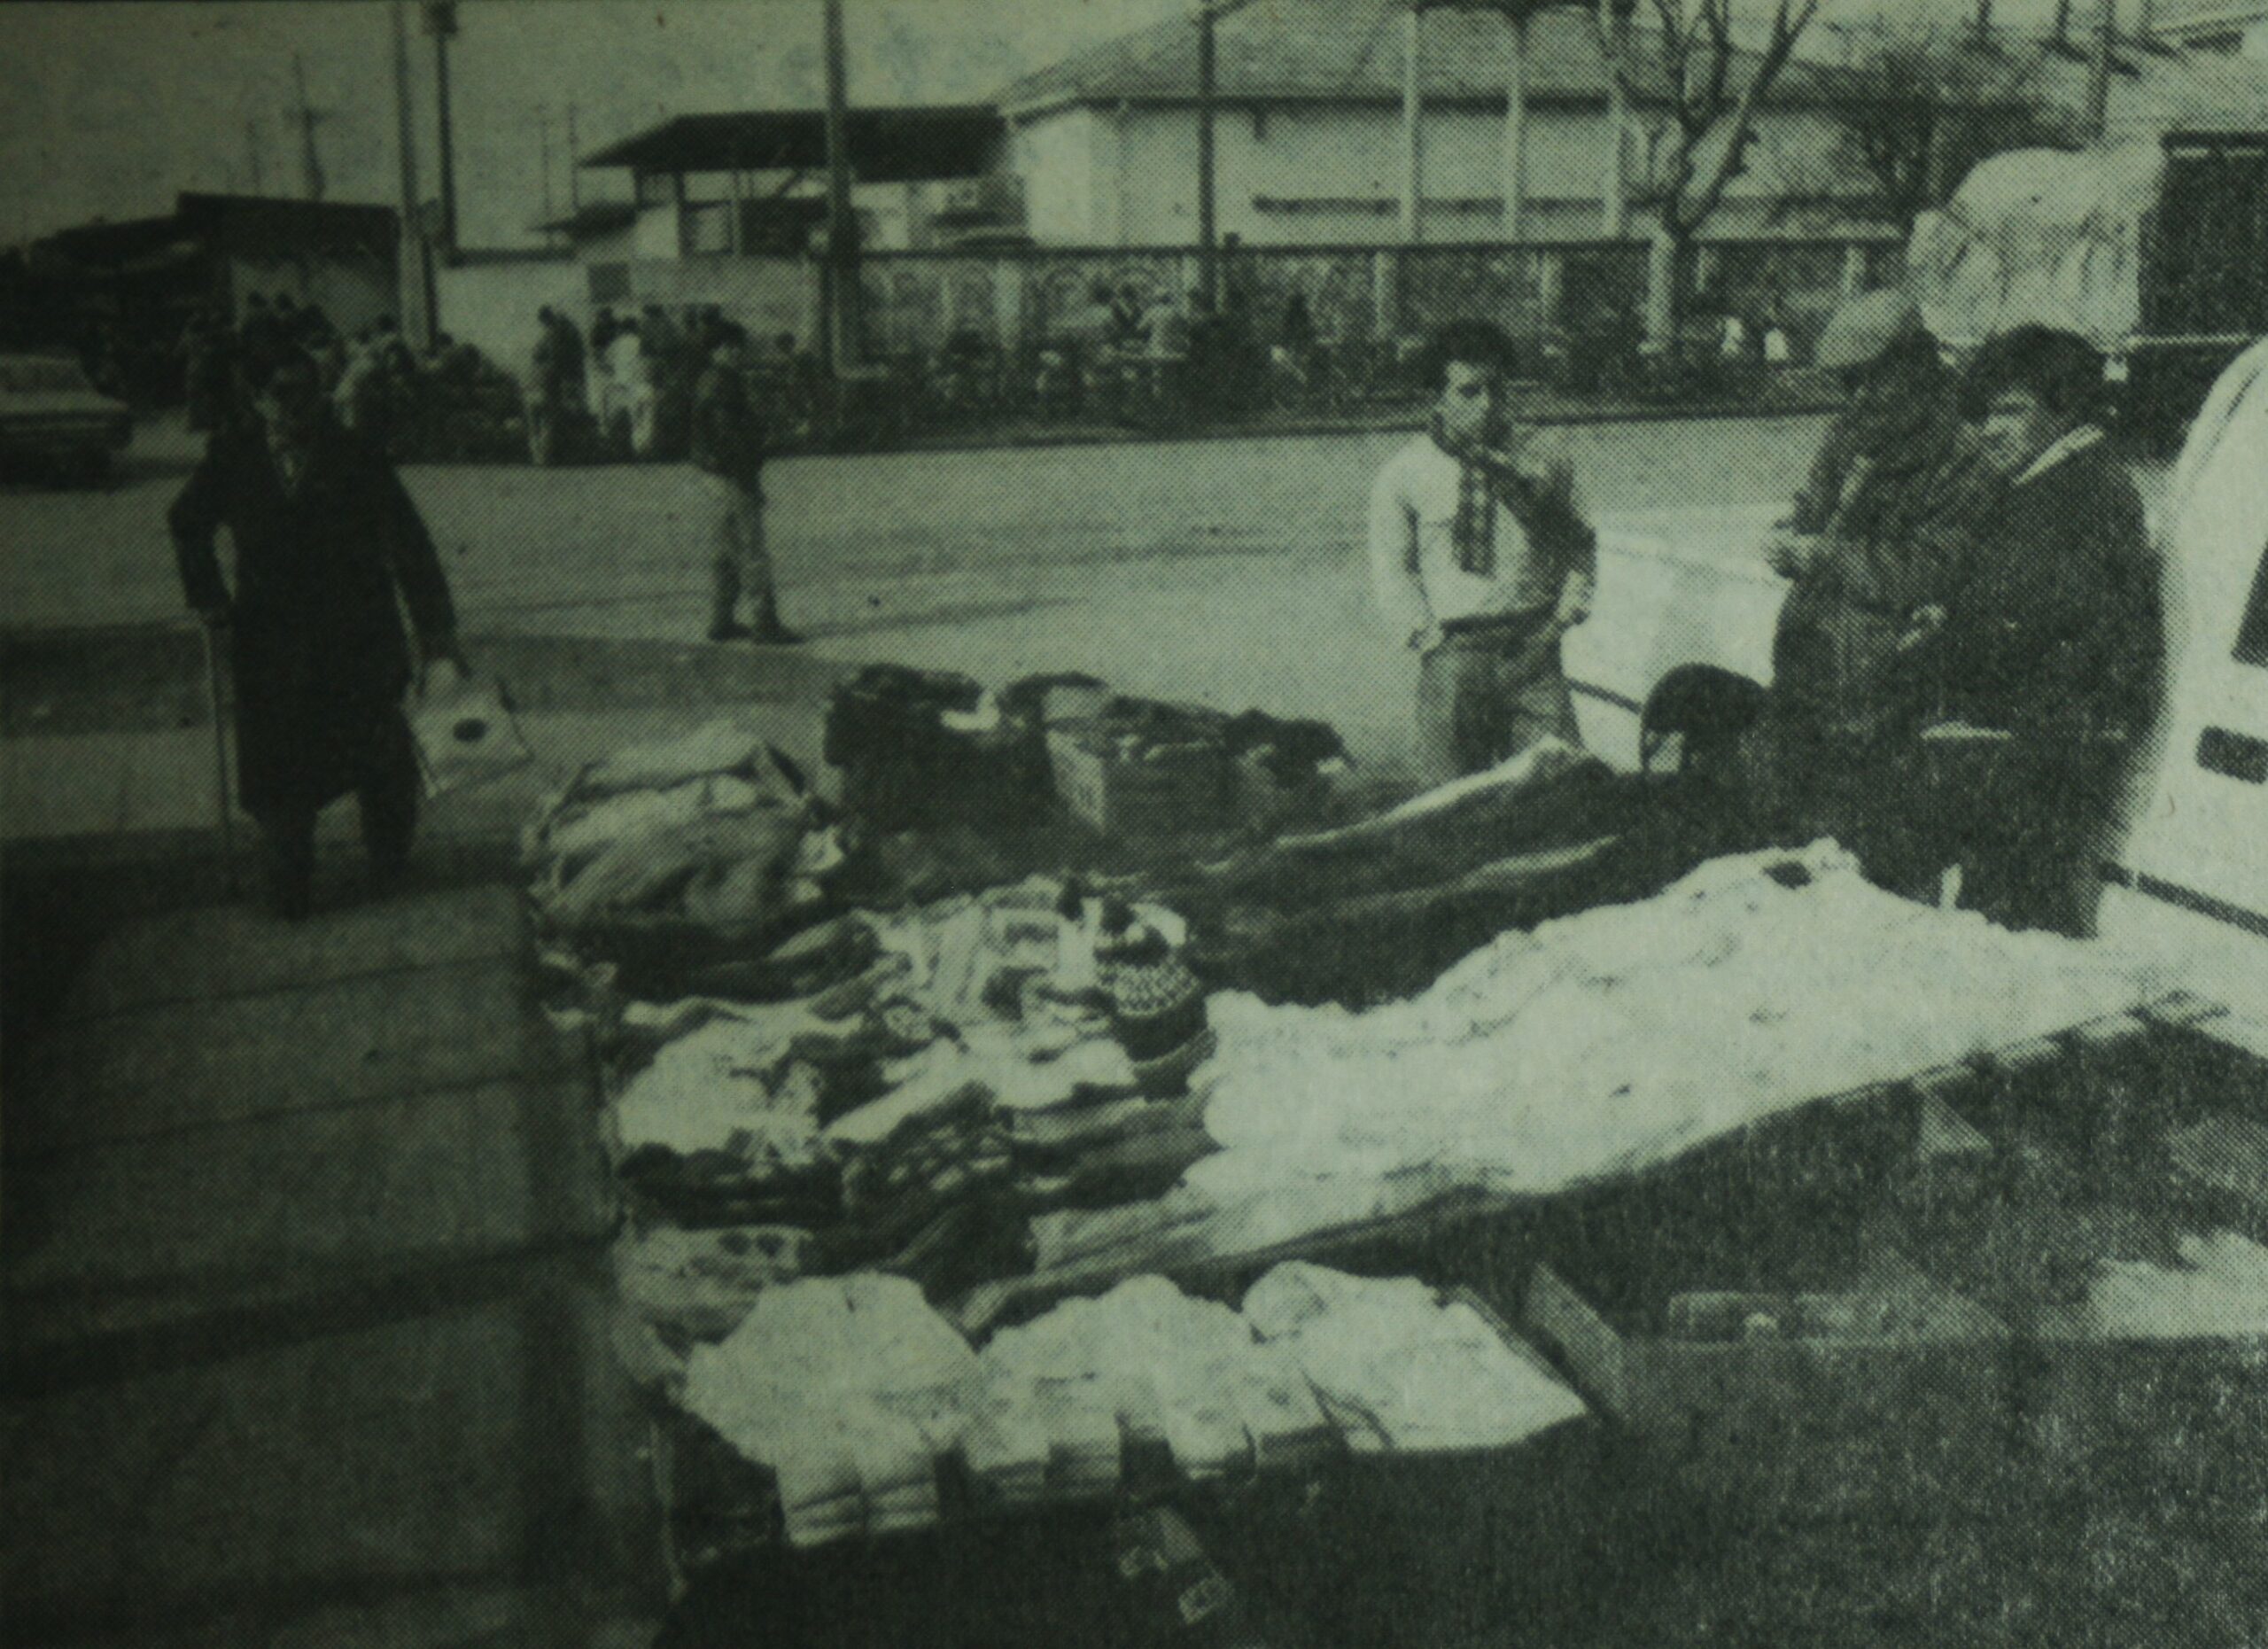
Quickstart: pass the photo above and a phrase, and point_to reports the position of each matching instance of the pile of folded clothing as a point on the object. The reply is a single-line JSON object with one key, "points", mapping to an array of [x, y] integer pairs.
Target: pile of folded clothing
{"points": [[715, 830], [1397, 1370], [848, 1391], [1166, 1372]]}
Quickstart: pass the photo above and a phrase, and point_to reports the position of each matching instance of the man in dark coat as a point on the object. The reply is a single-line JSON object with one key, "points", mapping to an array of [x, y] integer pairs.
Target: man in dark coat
{"points": [[328, 548], [1893, 496], [2052, 640]]}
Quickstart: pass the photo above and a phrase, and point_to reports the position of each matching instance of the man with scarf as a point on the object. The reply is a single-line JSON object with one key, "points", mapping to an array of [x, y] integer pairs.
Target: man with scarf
{"points": [[1481, 561], [329, 550]]}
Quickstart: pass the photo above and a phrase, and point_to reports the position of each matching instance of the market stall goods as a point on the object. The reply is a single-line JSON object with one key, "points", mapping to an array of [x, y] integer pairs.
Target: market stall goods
{"points": [[693, 1285], [715, 830], [1599, 1045], [848, 1389], [1399, 1370]]}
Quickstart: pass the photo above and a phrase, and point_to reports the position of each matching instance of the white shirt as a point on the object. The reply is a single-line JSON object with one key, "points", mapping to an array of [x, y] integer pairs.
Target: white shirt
{"points": [[1414, 567]]}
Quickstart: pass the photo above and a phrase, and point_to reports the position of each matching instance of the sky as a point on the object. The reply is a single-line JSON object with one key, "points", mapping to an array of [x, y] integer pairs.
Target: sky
{"points": [[109, 110]]}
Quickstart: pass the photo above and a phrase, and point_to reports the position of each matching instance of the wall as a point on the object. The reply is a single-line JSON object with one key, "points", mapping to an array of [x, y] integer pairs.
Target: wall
{"points": [[1310, 176], [493, 305]]}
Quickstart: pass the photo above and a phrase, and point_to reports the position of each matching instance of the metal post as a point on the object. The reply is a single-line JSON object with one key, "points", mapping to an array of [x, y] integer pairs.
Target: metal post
{"points": [[1618, 133], [1413, 136], [416, 311], [842, 228], [1516, 133], [1209, 268], [441, 22], [574, 185]]}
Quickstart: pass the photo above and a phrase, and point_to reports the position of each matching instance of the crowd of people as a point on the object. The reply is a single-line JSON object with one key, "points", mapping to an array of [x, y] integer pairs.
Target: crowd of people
{"points": [[446, 403], [1968, 652]]}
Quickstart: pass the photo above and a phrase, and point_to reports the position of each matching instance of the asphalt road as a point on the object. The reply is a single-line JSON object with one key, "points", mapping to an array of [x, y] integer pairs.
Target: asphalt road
{"points": [[1229, 571]]}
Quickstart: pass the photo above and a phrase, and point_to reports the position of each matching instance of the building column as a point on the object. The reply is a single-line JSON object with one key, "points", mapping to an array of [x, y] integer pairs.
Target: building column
{"points": [[1385, 318], [1516, 133], [1413, 136], [1855, 270], [1617, 215]]}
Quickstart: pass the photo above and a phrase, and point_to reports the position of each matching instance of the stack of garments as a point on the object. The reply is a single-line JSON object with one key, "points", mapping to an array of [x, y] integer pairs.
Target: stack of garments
{"points": [[1172, 1372], [721, 1128], [1399, 1371], [849, 1391], [714, 829], [1616, 1039]]}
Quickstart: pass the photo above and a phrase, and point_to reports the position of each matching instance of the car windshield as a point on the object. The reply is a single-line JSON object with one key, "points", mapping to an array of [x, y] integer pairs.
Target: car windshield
{"points": [[38, 376]]}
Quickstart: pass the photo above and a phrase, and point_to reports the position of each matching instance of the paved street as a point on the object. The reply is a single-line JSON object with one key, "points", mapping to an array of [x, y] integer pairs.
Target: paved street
{"points": [[1225, 571]]}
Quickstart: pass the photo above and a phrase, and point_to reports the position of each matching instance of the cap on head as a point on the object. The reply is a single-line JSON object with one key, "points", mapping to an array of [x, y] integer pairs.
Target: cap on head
{"points": [[1867, 327]]}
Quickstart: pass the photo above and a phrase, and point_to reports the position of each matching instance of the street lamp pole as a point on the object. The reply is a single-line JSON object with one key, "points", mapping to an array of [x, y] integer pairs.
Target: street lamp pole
{"points": [[414, 294]]}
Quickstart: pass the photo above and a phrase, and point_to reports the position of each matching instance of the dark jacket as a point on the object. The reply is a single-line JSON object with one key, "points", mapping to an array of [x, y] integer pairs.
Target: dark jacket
{"points": [[2055, 631], [727, 435], [1897, 495], [320, 659]]}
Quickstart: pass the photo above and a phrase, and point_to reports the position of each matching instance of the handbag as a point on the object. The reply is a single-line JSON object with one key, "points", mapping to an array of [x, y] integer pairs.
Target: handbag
{"points": [[466, 734]]}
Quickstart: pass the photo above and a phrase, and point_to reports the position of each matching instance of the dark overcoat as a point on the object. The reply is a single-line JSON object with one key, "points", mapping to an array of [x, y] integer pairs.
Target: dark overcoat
{"points": [[322, 572]]}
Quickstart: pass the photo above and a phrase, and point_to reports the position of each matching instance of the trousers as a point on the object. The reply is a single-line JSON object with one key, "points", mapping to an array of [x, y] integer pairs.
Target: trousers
{"points": [[1486, 694], [740, 559], [386, 794]]}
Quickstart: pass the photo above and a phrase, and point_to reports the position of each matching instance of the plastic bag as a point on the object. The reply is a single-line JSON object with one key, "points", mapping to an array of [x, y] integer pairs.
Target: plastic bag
{"points": [[465, 734]]}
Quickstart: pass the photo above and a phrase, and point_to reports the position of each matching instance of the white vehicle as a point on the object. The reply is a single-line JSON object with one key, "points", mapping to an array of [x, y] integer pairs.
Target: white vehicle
{"points": [[2188, 877], [1678, 652]]}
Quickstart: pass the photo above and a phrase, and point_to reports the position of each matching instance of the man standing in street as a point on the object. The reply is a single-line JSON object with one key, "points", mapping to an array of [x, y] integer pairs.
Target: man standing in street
{"points": [[728, 451], [1894, 495], [1481, 561], [328, 548]]}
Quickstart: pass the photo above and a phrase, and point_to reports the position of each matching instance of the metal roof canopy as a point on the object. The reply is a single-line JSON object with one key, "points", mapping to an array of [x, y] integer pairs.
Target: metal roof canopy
{"points": [[902, 145]]}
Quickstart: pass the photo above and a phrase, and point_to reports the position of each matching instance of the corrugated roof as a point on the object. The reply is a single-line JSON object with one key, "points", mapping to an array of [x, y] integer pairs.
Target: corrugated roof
{"points": [[1338, 50]]}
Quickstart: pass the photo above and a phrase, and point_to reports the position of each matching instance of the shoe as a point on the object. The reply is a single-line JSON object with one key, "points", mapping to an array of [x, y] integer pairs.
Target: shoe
{"points": [[729, 630]]}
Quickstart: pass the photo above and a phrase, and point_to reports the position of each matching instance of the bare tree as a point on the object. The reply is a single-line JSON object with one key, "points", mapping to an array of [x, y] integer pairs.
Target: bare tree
{"points": [[1920, 106], [1688, 64]]}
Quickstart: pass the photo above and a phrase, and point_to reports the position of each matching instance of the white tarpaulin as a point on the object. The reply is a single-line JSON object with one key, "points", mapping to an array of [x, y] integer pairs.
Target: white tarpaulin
{"points": [[2042, 237]]}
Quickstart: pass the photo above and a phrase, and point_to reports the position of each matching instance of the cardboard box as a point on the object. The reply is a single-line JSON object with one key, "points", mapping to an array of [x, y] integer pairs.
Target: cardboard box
{"points": [[1887, 1399], [1185, 790]]}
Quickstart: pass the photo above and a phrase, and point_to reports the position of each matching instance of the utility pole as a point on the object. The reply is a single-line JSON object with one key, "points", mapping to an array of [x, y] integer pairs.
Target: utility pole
{"points": [[441, 22], [842, 273], [543, 148], [311, 177], [2099, 72], [574, 183], [1208, 225], [416, 292], [253, 154], [1413, 136]]}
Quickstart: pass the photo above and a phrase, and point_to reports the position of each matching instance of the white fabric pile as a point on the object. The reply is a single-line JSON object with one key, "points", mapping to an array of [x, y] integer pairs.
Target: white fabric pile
{"points": [[2219, 1291], [1398, 1370], [1158, 1367], [713, 828], [1617, 1038], [848, 1389], [719, 1088]]}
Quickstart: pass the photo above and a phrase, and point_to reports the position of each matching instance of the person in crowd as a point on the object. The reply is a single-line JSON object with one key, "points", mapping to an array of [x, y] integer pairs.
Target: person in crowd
{"points": [[1874, 537], [728, 451], [209, 371], [260, 332], [1481, 561], [328, 546], [675, 364], [2049, 647], [556, 403], [1128, 315], [630, 391]]}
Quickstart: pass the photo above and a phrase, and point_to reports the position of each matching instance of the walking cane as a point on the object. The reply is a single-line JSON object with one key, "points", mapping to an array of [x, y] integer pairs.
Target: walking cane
{"points": [[220, 801]]}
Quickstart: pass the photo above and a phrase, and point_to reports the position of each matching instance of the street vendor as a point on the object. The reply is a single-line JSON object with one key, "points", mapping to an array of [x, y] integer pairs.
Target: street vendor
{"points": [[1895, 491], [556, 403], [328, 546], [727, 452], [1481, 561], [2052, 640]]}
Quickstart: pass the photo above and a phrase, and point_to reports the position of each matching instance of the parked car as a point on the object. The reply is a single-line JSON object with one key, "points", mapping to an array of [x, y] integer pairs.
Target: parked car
{"points": [[53, 420]]}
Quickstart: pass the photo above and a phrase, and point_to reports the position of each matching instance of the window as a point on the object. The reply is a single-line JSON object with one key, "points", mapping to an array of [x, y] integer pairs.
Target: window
{"points": [[656, 189], [2252, 634]]}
